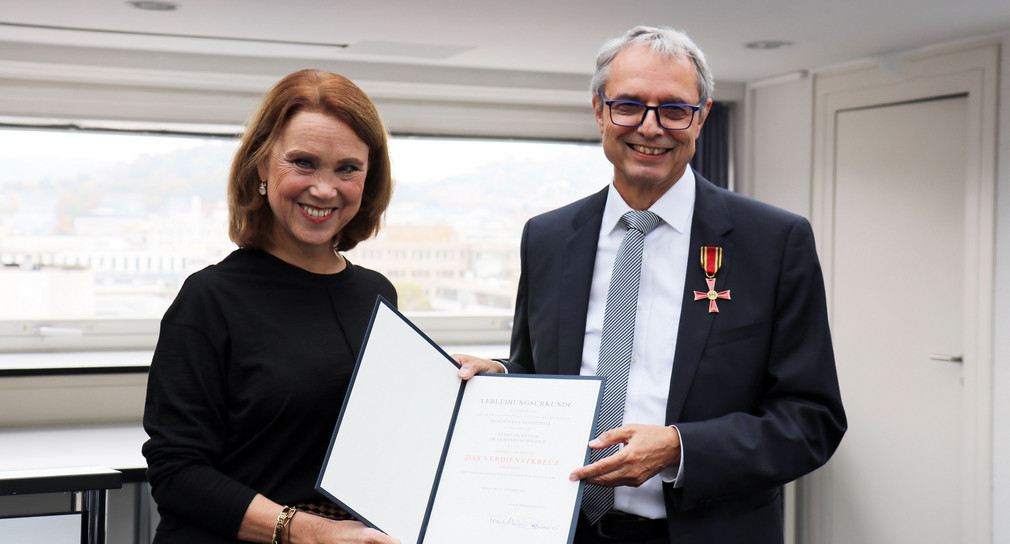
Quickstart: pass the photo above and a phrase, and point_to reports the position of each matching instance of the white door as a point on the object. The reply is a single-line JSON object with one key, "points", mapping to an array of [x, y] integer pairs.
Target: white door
{"points": [[898, 309]]}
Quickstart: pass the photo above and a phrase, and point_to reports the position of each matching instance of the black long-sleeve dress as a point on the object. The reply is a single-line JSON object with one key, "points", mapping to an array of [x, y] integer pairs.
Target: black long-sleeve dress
{"points": [[251, 367]]}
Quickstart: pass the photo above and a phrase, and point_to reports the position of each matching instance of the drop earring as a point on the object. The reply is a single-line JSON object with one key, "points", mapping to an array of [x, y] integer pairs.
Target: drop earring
{"points": [[263, 188]]}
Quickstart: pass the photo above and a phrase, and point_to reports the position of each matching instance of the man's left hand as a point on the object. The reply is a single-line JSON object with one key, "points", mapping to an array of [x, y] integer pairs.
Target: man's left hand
{"points": [[470, 366], [647, 450]]}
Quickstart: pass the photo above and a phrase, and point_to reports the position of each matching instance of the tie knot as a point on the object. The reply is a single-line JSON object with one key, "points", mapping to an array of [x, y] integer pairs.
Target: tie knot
{"points": [[641, 220]]}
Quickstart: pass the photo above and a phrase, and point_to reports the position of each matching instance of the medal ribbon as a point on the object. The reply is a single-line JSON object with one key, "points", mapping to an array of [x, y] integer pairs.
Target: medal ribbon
{"points": [[711, 260]]}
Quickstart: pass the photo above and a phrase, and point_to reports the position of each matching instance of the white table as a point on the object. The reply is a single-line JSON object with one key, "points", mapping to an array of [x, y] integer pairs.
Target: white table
{"points": [[85, 460]]}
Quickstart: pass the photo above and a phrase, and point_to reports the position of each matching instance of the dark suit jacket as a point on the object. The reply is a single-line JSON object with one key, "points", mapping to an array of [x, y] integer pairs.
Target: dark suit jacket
{"points": [[754, 391]]}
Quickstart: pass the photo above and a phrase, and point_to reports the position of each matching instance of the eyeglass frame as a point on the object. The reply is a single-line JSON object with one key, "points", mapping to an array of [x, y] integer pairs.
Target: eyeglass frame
{"points": [[645, 113]]}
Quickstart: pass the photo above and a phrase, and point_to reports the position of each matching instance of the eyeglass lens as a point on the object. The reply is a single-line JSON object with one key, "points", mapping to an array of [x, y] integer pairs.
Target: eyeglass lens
{"points": [[632, 114]]}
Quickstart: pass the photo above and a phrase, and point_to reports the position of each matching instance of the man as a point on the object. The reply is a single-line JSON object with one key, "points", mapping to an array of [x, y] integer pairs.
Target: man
{"points": [[731, 389]]}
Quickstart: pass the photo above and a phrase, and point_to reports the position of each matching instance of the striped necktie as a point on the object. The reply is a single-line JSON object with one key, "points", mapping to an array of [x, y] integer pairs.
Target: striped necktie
{"points": [[616, 341]]}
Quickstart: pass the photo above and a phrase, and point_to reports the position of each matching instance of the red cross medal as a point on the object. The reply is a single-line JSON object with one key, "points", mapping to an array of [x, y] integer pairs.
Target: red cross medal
{"points": [[711, 260]]}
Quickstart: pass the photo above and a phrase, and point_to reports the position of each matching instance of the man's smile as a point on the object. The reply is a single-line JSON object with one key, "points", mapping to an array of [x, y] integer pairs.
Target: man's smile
{"points": [[648, 150]]}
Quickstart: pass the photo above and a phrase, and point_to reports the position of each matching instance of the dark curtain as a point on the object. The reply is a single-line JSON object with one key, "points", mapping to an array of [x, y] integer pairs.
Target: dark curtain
{"points": [[712, 150]]}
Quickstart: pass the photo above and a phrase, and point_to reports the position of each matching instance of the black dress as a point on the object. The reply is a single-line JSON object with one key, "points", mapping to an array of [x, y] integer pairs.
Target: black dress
{"points": [[251, 367]]}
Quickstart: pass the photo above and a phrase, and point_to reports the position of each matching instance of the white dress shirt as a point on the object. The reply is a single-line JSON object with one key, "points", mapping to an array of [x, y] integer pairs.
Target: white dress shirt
{"points": [[660, 294]]}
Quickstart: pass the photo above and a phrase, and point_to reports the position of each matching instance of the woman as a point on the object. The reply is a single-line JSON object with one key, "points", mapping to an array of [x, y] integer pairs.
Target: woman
{"points": [[256, 353]]}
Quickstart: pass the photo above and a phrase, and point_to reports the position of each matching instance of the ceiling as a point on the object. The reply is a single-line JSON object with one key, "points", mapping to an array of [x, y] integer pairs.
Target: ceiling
{"points": [[557, 36]]}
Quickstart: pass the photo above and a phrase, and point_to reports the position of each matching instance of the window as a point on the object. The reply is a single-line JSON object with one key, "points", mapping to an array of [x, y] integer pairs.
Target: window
{"points": [[106, 225], [99, 230]]}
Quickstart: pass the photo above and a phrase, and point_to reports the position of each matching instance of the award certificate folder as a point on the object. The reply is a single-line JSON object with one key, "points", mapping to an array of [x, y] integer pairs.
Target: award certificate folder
{"points": [[428, 458]]}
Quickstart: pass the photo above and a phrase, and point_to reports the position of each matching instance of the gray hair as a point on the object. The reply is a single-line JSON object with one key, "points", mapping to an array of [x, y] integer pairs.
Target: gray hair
{"points": [[667, 41]]}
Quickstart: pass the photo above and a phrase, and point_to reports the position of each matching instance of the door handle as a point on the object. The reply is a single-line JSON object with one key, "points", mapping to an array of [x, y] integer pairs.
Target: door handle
{"points": [[946, 358]]}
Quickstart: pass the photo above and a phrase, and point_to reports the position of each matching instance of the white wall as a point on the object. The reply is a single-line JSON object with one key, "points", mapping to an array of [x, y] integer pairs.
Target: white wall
{"points": [[778, 156], [1001, 322]]}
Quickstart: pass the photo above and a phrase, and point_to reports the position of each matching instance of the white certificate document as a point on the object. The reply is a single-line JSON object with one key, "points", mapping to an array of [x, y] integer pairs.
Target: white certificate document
{"points": [[516, 440], [427, 458]]}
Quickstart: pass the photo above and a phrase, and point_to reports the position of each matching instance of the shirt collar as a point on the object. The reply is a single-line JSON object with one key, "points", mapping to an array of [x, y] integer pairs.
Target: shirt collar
{"points": [[675, 207]]}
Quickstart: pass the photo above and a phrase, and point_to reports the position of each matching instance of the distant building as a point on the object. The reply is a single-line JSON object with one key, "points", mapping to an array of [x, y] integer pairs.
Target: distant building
{"points": [[455, 274]]}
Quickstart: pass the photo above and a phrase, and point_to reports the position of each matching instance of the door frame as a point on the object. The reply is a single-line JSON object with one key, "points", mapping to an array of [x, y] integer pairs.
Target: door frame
{"points": [[971, 69]]}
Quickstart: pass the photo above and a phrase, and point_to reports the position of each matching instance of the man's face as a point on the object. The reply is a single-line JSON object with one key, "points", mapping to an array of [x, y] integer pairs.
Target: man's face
{"points": [[648, 159]]}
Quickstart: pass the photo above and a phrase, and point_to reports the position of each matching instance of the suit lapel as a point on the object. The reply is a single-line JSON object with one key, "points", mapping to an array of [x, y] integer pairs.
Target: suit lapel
{"points": [[579, 259], [710, 226]]}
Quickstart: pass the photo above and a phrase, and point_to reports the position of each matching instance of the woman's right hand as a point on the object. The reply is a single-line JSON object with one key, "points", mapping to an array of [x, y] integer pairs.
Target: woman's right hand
{"points": [[308, 529]]}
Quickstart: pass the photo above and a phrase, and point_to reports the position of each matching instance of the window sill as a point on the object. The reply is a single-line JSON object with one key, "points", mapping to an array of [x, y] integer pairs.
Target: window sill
{"points": [[74, 363]]}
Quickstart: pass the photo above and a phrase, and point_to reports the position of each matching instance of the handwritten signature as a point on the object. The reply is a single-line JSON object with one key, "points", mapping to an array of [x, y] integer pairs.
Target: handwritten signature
{"points": [[530, 524]]}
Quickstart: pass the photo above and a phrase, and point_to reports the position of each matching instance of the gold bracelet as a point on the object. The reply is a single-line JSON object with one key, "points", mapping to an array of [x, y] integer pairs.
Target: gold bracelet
{"points": [[287, 524], [282, 520]]}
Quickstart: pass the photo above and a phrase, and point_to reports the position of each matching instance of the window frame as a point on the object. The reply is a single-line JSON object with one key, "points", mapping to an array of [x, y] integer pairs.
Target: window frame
{"points": [[487, 330]]}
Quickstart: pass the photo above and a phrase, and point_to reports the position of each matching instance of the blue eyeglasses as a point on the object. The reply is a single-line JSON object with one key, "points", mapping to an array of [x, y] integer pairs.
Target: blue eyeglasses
{"points": [[626, 113]]}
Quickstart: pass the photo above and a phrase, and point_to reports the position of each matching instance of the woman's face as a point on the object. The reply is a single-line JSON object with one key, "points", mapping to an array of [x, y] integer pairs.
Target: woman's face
{"points": [[315, 175]]}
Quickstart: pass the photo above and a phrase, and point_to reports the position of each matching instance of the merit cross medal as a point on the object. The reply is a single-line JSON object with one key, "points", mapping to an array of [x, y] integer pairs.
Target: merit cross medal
{"points": [[711, 260]]}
